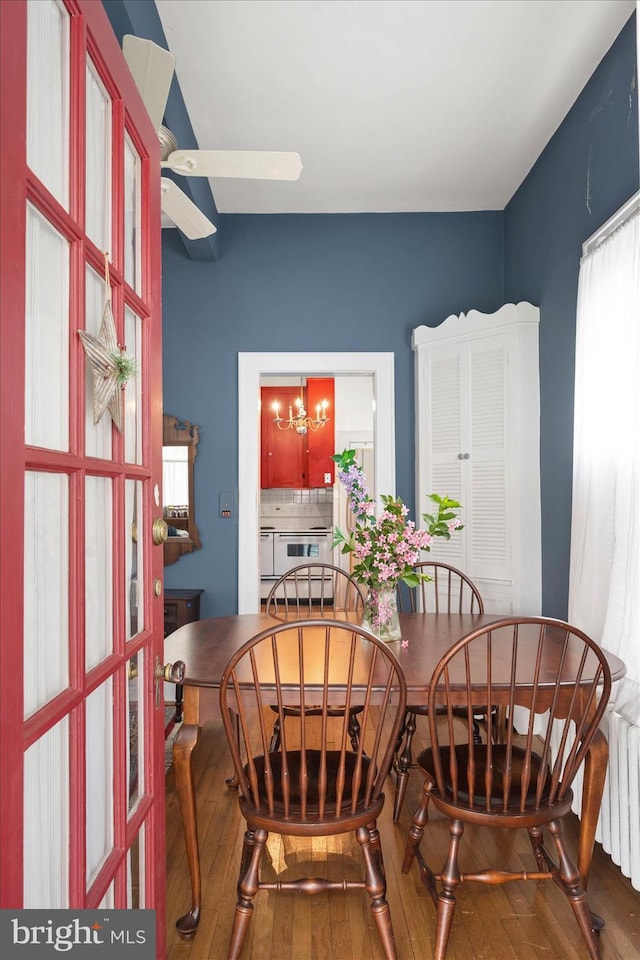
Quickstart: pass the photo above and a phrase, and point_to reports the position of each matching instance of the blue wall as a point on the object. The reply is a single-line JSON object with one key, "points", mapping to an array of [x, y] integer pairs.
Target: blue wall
{"points": [[587, 171], [306, 283], [312, 283]]}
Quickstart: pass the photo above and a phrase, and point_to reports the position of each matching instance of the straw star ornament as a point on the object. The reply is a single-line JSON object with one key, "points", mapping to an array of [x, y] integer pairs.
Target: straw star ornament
{"points": [[110, 364]]}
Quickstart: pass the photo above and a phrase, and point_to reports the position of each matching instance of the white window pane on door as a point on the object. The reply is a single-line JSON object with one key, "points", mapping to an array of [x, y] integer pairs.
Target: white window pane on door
{"points": [[136, 740], [46, 335], [48, 96], [99, 762], [131, 215], [98, 161], [135, 872], [108, 902], [97, 435], [46, 588], [134, 558], [46, 820], [133, 389], [98, 609]]}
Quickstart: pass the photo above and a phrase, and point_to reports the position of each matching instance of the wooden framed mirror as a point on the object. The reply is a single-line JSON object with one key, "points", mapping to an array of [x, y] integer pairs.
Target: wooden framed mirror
{"points": [[180, 440]]}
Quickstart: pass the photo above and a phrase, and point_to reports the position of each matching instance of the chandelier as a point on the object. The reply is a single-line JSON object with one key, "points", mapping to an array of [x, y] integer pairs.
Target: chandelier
{"points": [[299, 420]]}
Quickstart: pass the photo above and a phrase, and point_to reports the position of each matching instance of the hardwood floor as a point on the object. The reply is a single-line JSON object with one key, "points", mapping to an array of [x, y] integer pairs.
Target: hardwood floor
{"points": [[515, 921]]}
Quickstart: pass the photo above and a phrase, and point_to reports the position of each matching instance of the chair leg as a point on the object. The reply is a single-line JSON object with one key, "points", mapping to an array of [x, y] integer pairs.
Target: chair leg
{"points": [[354, 731], [396, 752], [477, 736], [416, 831], [248, 884], [498, 720], [536, 836], [404, 762], [571, 883], [274, 743], [447, 898], [494, 720], [376, 886]]}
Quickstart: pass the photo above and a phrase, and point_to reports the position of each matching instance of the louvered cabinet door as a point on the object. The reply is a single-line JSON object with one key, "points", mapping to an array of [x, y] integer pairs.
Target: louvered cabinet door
{"points": [[477, 414], [490, 462], [445, 437]]}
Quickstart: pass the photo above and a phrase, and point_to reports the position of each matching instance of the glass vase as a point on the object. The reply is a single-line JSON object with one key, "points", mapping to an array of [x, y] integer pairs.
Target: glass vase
{"points": [[381, 614]]}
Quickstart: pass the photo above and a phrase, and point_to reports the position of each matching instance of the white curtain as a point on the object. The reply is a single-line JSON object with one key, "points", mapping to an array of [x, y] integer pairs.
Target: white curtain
{"points": [[604, 583]]}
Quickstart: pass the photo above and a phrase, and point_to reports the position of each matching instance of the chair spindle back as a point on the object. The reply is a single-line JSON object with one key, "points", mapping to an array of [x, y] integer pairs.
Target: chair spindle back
{"points": [[533, 768], [448, 590], [314, 777], [314, 589]]}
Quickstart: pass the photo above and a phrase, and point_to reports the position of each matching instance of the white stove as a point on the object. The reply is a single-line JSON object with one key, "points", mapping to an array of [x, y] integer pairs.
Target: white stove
{"points": [[301, 517], [291, 534]]}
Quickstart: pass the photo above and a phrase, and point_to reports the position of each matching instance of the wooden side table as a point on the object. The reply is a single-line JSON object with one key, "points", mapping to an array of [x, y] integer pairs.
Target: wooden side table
{"points": [[180, 607]]}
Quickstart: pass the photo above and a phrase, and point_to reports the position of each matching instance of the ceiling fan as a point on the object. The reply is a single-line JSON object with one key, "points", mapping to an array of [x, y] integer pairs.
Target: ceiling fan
{"points": [[152, 68]]}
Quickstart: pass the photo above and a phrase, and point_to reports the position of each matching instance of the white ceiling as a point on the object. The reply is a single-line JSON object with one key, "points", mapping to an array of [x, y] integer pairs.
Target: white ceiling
{"points": [[393, 105]]}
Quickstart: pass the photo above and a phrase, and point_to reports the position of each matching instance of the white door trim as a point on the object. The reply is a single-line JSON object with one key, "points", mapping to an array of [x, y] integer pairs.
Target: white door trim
{"points": [[250, 367]]}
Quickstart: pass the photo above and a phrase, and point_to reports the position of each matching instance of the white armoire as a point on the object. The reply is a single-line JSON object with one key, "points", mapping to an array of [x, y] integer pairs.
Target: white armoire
{"points": [[477, 440]]}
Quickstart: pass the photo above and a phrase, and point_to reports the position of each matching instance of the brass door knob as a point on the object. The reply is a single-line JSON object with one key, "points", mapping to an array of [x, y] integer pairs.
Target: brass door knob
{"points": [[170, 672], [159, 531]]}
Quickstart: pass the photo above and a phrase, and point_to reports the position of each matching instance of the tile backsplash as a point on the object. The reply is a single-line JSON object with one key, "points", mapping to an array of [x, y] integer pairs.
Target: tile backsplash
{"points": [[287, 495]]}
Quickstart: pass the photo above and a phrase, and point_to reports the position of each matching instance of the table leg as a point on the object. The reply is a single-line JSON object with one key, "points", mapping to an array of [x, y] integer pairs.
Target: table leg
{"points": [[179, 699], [595, 771], [183, 746]]}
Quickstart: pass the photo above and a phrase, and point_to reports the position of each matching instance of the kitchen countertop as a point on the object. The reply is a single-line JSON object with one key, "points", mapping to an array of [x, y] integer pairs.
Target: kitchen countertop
{"points": [[302, 530]]}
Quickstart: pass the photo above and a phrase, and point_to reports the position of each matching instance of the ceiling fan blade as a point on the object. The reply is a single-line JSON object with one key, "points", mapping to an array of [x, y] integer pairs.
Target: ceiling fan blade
{"points": [[152, 68], [243, 164], [183, 211]]}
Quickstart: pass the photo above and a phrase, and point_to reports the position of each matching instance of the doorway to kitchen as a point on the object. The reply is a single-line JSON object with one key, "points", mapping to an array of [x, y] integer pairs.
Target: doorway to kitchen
{"points": [[299, 502], [251, 368]]}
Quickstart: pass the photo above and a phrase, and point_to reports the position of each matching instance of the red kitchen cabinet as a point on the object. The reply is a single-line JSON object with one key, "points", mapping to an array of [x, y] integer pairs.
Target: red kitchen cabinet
{"points": [[288, 459], [283, 453], [321, 443]]}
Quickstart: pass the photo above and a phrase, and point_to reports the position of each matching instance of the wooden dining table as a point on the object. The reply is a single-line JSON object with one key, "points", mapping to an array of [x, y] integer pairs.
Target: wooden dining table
{"points": [[207, 645]]}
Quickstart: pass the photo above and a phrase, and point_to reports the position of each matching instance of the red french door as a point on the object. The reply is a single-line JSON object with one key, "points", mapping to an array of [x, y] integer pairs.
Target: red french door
{"points": [[81, 762]]}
